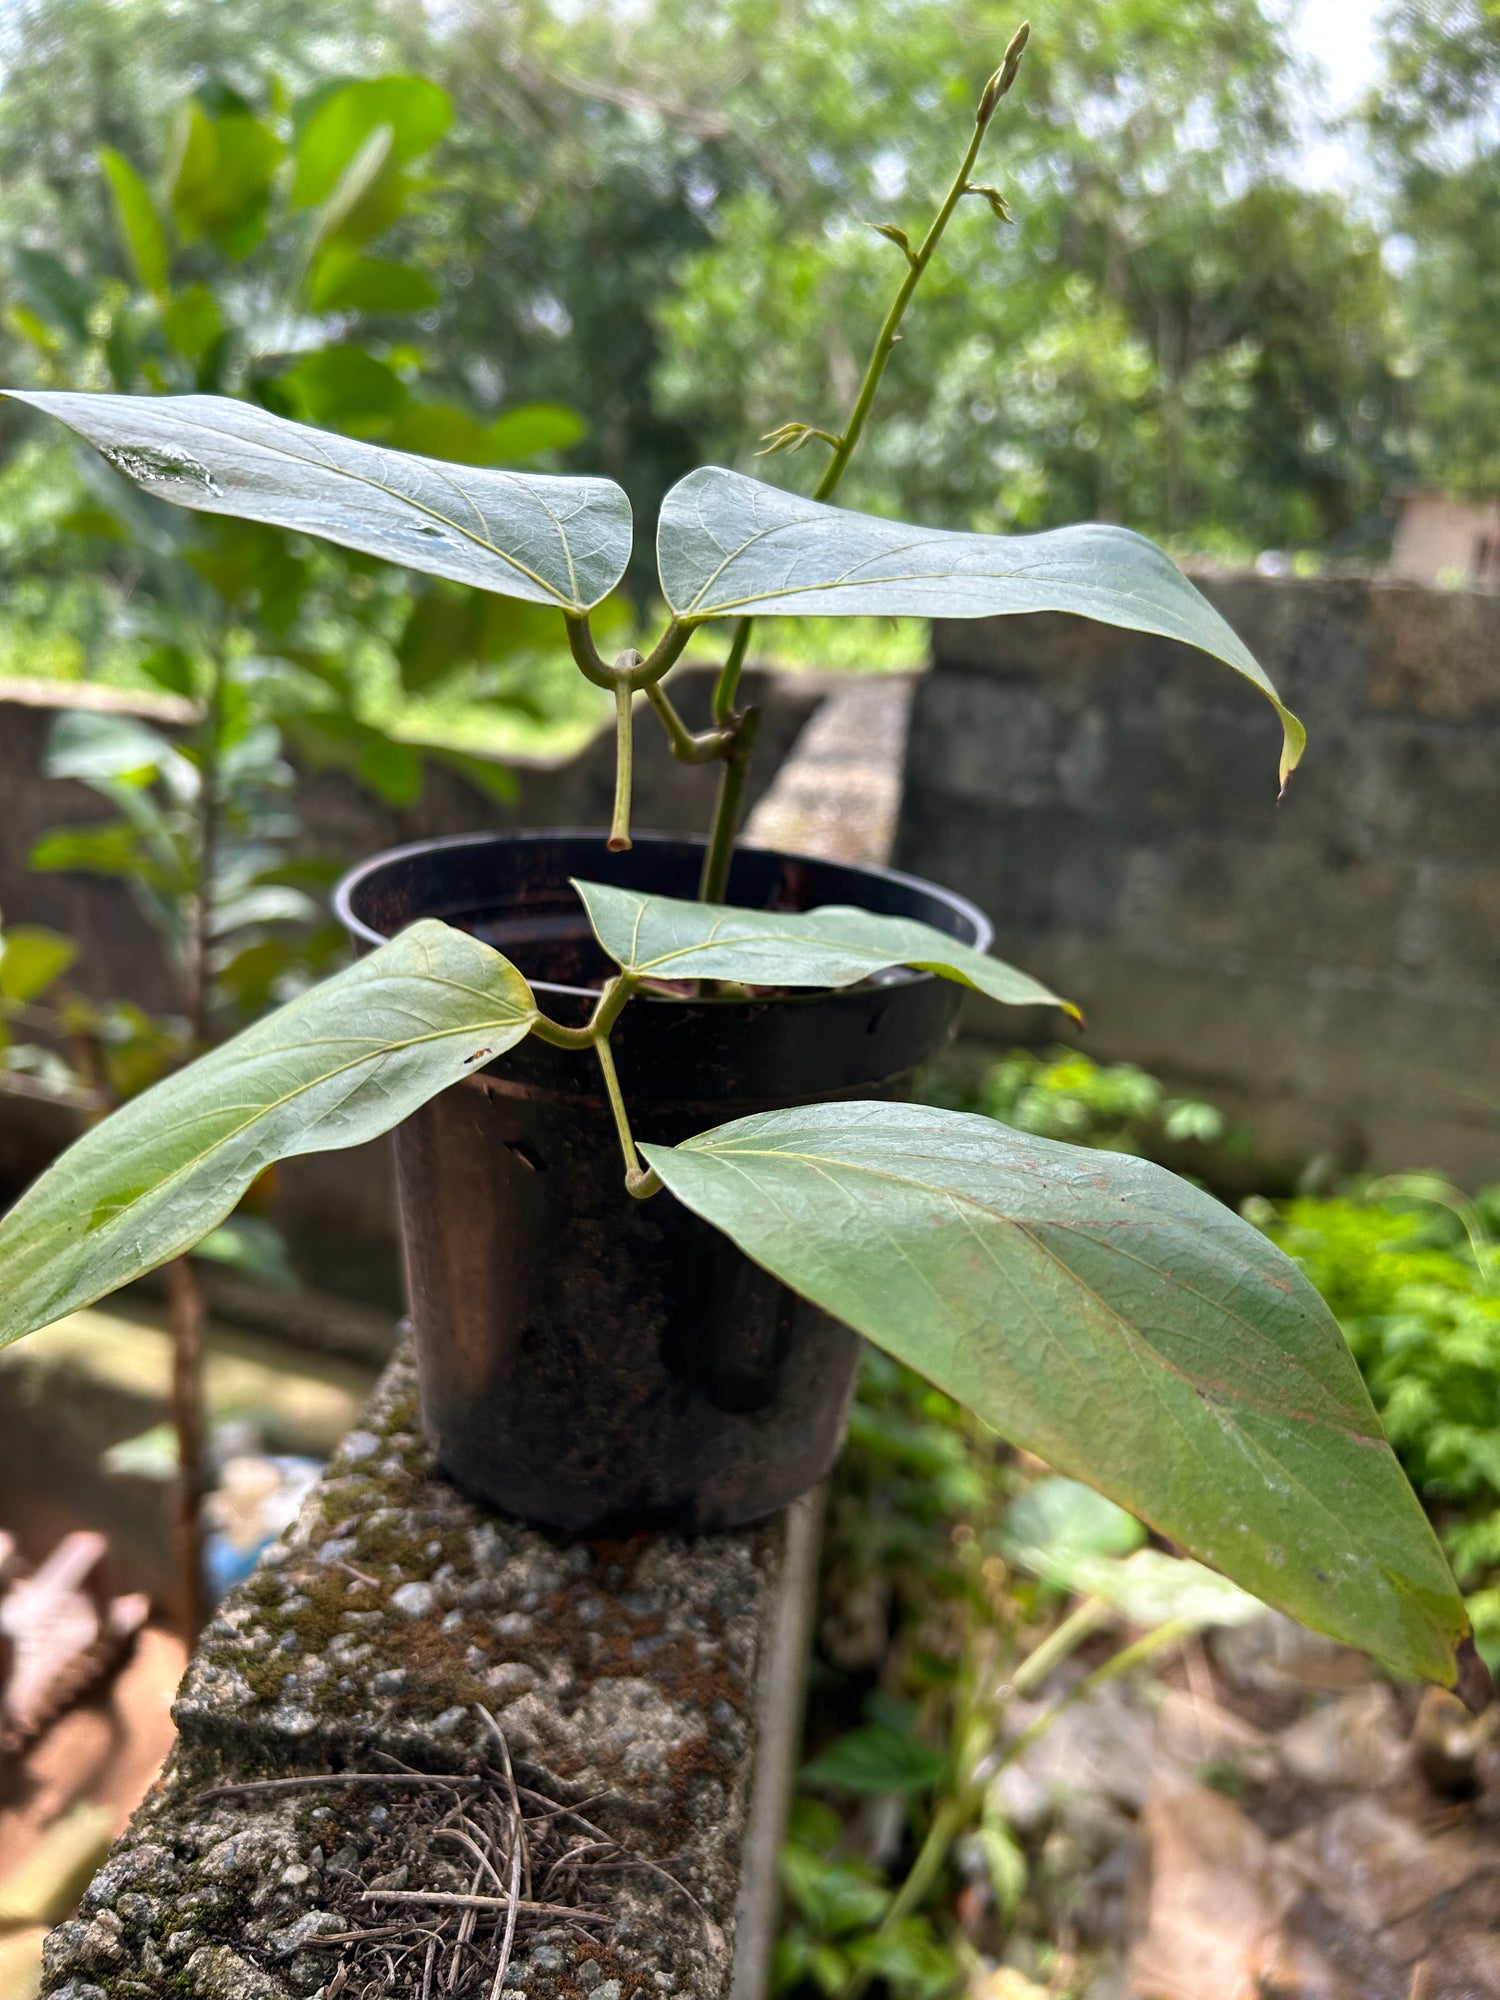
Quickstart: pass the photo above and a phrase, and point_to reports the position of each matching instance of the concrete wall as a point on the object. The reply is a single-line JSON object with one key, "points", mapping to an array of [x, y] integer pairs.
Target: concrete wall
{"points": [[1329, 966]]}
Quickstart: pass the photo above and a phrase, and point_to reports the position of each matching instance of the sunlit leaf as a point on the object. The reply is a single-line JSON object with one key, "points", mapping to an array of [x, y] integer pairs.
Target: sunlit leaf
{"points": [[31, 958], [341, 1064], [91, 745], [728, 545], [657, 937], [417, 112], [1116, 1321], [549, 539]]}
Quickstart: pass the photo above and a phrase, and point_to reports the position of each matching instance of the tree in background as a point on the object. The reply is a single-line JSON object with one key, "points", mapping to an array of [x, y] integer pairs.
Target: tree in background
{"points": [[1436, 125], [1178, 334], [292, 252]]}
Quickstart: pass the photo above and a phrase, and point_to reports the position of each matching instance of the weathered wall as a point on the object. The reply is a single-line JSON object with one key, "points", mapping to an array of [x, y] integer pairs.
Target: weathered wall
{"points": [[1329, 966]]}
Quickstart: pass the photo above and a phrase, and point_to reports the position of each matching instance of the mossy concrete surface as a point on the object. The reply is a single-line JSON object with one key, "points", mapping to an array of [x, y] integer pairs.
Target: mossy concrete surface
{"points": [[397, 1624]]}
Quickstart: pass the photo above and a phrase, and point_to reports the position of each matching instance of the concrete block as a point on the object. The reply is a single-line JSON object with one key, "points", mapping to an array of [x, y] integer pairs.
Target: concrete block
{"points": [[395, 1636]]}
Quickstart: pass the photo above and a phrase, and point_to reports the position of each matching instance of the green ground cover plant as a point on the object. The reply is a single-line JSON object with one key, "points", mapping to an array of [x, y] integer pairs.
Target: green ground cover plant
{"points": [[1116, 1321]]}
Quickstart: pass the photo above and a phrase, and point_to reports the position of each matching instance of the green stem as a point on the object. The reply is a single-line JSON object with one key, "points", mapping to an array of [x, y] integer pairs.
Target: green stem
{"points": [[725, 825], [586, 654], [686, 747], [1080, 1624], [727, 686], [726, 805], [1164, 1637], [617, 1105], [890, 331], [619, 832]]}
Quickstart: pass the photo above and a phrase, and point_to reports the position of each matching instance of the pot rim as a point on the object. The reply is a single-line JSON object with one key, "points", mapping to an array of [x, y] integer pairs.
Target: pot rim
{"points": [[349, 884]]}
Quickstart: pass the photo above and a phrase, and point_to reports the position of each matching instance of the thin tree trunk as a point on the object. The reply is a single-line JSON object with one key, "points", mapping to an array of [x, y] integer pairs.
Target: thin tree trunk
{"points": [[187, 1314]]}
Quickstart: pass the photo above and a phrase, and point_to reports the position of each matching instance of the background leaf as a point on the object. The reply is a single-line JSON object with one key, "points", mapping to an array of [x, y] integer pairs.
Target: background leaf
{"points": [[341, 1064], [728, 545], [417, 112], [661, 938], [31, 958], [140, 226], [878, 1758], [1120, 1323], [533, 535]]}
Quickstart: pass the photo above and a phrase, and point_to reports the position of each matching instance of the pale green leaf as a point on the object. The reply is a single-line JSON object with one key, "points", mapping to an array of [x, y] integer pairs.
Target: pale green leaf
{"points": [[549, 539], [729, 546], [339, 1065], [1125, 1326], [657, 937]]}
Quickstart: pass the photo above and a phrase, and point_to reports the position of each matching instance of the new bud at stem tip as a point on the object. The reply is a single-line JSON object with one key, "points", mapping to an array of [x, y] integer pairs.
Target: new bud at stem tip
{"points": [[1005, 76]]}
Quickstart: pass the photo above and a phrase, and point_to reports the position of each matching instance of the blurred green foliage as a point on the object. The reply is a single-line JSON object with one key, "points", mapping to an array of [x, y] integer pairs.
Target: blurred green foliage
{"points": [[666, 222], [1434, 126], [281, 252], [1411, 1269], [1065, 1095]]}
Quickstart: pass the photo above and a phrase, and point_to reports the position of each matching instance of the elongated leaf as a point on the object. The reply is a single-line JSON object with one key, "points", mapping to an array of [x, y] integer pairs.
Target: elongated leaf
{"points": [[343, 281], [729, 545], [339, 1065], [140, 227], [551, 540], [416, 111], [1126, 1327], [657, 937]]}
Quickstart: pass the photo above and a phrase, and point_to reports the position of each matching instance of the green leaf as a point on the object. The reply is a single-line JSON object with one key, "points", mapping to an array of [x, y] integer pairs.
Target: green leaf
{"points": [[140, 227], [534, 427], [31, 957], [657, 937], [878, 1758], [50, 289], [222, 185], [448, 628], [250, 1244], [92, 746], [337, 1066], [1123, 1325], [345, 388], [90, 850], [550, 540], [442, 431], [192, 322], [1073, 1537], [417, 111], [728, 545], [370, 194], [343, 281]]}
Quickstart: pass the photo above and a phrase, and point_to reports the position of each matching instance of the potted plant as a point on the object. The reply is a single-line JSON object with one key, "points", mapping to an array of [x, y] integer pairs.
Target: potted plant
{"points": [[656, 1168]]}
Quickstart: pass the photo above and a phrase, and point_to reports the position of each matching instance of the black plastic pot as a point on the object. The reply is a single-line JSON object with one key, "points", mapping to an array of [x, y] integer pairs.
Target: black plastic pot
{"points": [[588, 1361]]}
